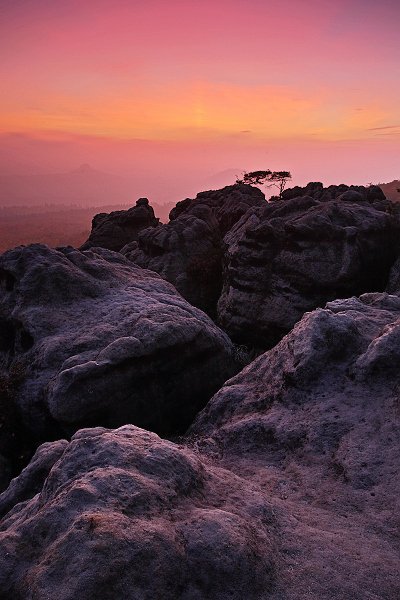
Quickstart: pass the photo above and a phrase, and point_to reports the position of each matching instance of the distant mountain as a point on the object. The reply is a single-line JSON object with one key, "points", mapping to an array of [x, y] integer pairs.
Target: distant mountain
{"points": [[391, 190], [221, 179]]}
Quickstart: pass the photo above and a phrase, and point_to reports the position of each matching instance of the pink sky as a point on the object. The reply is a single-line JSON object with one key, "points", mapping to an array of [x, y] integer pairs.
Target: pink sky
{"points": [[312, 86]]}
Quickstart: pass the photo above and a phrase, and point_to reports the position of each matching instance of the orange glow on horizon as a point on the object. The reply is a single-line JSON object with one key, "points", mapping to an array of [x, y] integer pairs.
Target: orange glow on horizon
{"points": [[254, 72], [202, 110]]}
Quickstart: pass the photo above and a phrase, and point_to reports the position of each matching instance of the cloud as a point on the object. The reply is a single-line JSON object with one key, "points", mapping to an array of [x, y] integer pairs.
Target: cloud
{"points": [[385, 127]]}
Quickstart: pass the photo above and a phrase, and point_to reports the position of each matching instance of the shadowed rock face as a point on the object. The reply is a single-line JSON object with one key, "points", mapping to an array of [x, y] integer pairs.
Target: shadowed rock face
{"points": [[98, 340], [187, 251], [316, 421], [295, 254], [116, 229], [124, 514], [393, 286]]}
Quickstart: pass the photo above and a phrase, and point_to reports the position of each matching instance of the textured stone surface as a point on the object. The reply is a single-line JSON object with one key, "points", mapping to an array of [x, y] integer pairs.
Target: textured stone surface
{"points": [[187, 251], [316, 419], [98, 340], [116, 229], [124, 514], [296, 254]]}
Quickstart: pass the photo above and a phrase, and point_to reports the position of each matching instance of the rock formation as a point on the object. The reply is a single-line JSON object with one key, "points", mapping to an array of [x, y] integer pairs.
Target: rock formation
{"points": [[293, 255], [98, 340], [116, 229], [315, 421], [187, 251], [287, 487], [124, 514], [316, 190]]}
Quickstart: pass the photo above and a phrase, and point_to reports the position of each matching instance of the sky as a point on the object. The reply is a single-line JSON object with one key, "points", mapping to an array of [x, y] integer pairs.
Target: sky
{"points": [[187, 89]]}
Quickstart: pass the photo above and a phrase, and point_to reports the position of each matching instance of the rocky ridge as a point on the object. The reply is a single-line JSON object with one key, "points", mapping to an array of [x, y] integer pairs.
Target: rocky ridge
{"points": [[295, 254], [286, 486], [187, 251]]}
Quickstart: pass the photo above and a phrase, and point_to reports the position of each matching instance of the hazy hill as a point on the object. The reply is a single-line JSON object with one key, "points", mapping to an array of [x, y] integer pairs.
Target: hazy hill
{"points": [[221, 179]]}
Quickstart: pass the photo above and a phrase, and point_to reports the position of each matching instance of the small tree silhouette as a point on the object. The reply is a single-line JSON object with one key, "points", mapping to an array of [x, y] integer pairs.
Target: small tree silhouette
{"points": [[280, 179], [255, 177], [268, 178]]}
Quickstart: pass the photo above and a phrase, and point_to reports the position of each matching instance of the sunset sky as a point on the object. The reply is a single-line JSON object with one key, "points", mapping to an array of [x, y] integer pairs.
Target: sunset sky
{"points": [[307, 85]]}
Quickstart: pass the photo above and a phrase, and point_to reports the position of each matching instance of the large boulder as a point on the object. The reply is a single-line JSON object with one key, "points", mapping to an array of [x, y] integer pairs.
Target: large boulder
{"points": [[96, 340], [125, 515], [116, 229], [296, 254], [316, 422], [187, 251]]}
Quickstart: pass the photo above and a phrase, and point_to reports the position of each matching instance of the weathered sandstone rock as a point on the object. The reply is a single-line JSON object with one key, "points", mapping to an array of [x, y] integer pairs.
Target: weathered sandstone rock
{"points": [[116, 229], [187, 251], [124, 514], [98, 340], [295, 254], [315, 421]]}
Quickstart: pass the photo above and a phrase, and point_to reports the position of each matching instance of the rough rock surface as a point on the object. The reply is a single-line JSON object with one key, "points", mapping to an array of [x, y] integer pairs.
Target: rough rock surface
{"points": [[287, 489], [296, 254], [116, 229], [316, 190], [99, 341], [187, 251], [316, 421], [124, 514]]}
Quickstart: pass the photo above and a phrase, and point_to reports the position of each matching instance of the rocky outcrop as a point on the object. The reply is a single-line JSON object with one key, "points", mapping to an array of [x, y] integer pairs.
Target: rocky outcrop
{"points": [[97, 340], [316, 190], [124, 514], [116, 229], [295, 254], [286, 488], [315, 421], [187, 251]]}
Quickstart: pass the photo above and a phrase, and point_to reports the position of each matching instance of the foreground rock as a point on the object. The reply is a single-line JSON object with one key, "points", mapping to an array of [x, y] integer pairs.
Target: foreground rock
{"points": [[116, 229], [316, 421], [293, 255], [123, 514], [187, 251], [287, 488], [98, 340]]}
